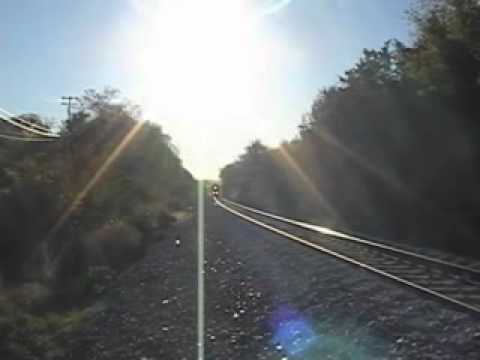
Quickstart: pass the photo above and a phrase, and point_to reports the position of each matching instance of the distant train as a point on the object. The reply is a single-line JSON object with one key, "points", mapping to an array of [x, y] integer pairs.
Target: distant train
{"points": [[215, 190]]}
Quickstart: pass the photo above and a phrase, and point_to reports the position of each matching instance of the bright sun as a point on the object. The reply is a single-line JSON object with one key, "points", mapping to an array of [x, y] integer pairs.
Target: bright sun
{"points": [[203, 59], [208, 72]]}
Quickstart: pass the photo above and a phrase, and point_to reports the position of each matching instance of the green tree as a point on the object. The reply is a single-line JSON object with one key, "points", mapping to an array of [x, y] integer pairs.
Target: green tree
{"points": [[391, 150]]}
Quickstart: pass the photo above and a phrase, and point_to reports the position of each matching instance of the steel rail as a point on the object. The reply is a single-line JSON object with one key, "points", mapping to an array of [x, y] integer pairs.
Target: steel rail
{"points": [[329, 232], [307, 243]]}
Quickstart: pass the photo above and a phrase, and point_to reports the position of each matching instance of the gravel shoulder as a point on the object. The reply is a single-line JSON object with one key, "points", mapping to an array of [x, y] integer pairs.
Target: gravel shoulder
{"points": [[150, 311]]}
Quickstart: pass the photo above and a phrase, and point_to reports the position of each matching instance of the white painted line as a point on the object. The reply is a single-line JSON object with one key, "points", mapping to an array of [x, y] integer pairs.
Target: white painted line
{"points": [[200, 271]]}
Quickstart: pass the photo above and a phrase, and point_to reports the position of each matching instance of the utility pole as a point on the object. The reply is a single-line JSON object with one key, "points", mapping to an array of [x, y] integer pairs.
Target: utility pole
{"points": [[67, 101]]}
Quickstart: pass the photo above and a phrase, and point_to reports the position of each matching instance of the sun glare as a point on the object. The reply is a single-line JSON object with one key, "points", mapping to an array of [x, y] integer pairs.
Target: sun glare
{"points": [[206, 71], [203, 58]]}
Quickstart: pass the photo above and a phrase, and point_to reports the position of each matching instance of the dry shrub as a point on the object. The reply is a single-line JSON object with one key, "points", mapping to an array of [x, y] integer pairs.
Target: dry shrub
{"points": [[116, 245]]}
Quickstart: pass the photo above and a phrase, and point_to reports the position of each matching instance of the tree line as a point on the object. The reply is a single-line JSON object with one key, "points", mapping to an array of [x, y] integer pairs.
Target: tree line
{"points": [[392, 149], [96, 197]]}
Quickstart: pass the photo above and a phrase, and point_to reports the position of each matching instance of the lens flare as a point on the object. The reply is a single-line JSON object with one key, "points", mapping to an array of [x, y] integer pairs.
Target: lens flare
{"points": [[296, 336], [293, 333], [93, 181], [274, 6], [309, 184]]}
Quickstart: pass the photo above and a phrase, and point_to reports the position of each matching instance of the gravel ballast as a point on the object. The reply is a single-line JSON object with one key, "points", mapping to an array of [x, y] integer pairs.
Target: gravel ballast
{"points": [[266, 298]]}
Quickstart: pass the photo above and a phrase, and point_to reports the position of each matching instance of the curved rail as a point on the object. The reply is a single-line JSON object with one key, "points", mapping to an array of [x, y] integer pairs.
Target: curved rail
{"points": [[329, 232], [433, 293]]}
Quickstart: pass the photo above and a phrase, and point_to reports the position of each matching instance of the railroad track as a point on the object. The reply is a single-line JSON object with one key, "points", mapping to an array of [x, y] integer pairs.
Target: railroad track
{"points": [[455, 283]]}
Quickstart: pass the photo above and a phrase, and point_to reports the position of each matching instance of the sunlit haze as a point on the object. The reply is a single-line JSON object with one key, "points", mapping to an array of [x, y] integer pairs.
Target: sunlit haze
{"points": [[214, 74], [205, 70]]}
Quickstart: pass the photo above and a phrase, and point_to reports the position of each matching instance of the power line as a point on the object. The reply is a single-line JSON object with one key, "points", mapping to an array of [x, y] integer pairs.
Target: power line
{"points": [[32, 124], [25, 139], [25, 122], [12, 121], [27, 128]]}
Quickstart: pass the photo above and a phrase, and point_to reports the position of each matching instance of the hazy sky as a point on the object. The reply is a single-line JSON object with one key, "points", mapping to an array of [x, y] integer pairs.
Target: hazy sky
{"points": [[215, 74]]}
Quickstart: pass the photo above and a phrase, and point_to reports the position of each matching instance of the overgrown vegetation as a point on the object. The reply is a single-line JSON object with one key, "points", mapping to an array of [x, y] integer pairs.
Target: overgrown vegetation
{"points": [[391, 150], [75, 211], [29, 335]]}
